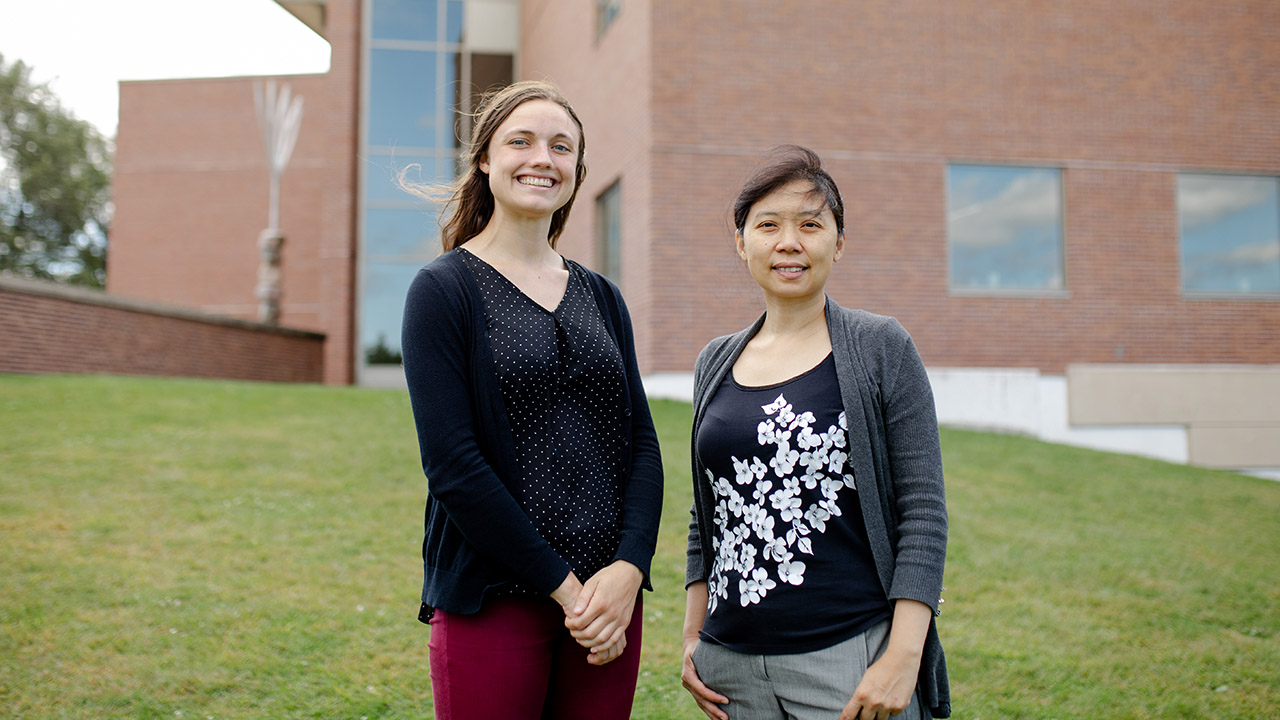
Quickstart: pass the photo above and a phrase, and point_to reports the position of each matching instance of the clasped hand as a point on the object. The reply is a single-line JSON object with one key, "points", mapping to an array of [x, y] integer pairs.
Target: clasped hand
{"points": [[598, 612]]}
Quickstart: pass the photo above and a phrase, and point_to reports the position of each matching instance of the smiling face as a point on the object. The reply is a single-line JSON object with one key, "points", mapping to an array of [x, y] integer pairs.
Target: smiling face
{"points": [[790, 242], [532, 159]]}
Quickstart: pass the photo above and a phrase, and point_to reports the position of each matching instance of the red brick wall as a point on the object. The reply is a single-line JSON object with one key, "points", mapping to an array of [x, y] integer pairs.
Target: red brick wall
{"points": [[190, 188], [608, 83], [1122, 95], [49, 328], [680, 99]]}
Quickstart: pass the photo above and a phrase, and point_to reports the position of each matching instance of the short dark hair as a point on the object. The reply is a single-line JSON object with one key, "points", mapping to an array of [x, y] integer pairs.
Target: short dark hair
{"points": [[784, 164]]}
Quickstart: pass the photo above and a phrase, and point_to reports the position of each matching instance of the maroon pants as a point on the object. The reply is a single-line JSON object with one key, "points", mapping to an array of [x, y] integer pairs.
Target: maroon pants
{"points": [[515, 659]]}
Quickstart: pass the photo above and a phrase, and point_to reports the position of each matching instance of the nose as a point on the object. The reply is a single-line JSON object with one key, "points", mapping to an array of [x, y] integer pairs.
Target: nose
{"points": [[542, 155], [789, 239]]}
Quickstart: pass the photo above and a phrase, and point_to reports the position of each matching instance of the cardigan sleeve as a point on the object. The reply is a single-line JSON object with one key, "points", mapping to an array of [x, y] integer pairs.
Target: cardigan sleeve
{"points": [[642, 499], [696, 566], [436, 344], [915, 466]]}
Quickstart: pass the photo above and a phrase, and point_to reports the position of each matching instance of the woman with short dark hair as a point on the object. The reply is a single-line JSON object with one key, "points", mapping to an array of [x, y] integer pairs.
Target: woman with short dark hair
{"points": [[819, 518]]}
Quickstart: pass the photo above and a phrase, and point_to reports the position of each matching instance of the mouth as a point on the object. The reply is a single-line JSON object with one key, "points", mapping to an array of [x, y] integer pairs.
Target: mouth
{"points": [[790, 271], [535, 181]]}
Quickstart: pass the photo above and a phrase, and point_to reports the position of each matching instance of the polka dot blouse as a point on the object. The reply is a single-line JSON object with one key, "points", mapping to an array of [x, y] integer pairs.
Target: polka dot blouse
{"points": [[562, 380]]}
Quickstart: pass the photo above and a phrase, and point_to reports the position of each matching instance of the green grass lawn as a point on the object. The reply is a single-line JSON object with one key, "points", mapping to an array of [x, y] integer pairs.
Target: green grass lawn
{"points": [[197, 549]]}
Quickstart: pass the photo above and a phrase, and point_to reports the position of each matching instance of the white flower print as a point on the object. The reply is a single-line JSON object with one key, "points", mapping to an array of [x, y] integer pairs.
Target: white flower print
{"points": [[760, 535], [791, 571], [765, 432], [776, 405], [762, 490], [735, 504], [746, 559], [831, 488], [831, 506], [808, 439], [784, 462], [752, 589], [723, 488], [835, 463], [763, 526], [817, 517], [787, 505], [776, 549]]}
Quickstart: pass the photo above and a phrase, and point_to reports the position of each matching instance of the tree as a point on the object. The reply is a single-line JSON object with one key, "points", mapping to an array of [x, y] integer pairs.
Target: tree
{"points": [[55, 177]]}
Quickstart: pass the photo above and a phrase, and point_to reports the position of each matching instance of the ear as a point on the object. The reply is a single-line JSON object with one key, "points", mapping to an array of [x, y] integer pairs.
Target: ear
{"points": [[839, 247], [739, 242], [484, 163]]}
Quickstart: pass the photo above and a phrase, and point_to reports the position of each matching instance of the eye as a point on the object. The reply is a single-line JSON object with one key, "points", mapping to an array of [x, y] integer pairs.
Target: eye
{"points": [[519, 141], [561, 147]]}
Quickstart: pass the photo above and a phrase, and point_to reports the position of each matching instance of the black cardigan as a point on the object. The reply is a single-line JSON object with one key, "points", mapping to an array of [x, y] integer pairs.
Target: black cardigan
{"points": [[476, 538]]}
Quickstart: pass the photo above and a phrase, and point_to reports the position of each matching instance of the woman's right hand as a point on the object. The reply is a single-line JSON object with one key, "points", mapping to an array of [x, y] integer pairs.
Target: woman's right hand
{"points": [[708, 700]]}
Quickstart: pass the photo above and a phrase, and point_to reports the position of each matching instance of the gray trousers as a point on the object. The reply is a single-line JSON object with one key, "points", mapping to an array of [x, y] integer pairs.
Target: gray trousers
{"points": [[807, 686]]}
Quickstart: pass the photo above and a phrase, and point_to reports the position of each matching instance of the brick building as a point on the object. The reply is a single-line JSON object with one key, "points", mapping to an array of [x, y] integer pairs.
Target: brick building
{"points": [[1073, 207]]}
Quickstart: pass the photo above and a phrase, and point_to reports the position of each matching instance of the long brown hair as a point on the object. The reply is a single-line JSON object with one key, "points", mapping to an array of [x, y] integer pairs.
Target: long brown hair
{"points": [[469, 205]]}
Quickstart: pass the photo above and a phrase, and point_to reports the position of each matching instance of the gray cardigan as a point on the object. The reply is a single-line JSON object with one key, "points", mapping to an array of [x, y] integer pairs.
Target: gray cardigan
{"points": [[893, 440]]}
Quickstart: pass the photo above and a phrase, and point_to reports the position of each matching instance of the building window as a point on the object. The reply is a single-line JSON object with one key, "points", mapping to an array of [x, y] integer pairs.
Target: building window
{"points": [[1230, 229], [423, 73], [606, 12], [609, 232], [1004, 228]]}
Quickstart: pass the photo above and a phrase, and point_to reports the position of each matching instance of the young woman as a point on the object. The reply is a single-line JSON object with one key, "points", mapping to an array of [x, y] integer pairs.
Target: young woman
{"points": [[819, 519], [544, 480]]}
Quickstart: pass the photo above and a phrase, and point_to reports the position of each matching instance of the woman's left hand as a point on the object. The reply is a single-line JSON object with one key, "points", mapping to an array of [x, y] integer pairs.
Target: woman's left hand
{"points": [[599, 618], [885, 690], [889, 683]]}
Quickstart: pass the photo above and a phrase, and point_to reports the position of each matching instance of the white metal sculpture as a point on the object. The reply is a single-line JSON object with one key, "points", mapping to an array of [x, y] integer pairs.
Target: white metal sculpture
{"points": [[279, 118]]}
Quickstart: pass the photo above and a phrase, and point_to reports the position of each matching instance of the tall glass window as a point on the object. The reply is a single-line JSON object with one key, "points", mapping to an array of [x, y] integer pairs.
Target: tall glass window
{"points": [[418, 63], [1004, 228], [609, 232], [1230, 230]]}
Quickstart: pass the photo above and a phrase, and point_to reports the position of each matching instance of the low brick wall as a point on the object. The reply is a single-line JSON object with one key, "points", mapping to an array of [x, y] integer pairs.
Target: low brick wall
{"points": [[51, 328]]}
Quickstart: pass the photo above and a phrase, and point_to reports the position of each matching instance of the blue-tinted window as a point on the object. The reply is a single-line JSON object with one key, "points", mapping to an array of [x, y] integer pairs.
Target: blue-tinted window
{"points": [[406, 20], [453, 32], [403, 100], [382, 306], [1004, 228], [1230, 226], [405, 235]]}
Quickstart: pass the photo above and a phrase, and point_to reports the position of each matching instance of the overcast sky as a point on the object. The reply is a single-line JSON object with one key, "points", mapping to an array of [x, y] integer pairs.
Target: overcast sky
{"points": [[83, 48]]}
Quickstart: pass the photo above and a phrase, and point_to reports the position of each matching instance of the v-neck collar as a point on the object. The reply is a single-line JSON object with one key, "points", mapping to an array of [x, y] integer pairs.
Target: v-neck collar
{"points": [[516, 288]]}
